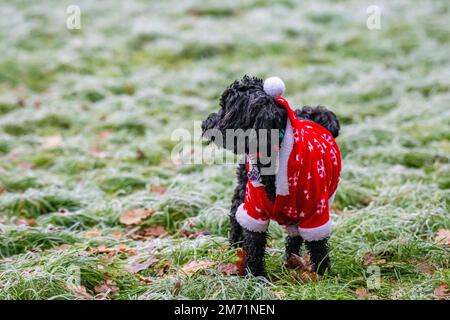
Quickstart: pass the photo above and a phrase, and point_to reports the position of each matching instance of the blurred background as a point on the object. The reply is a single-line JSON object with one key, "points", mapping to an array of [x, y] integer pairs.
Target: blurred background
{"points": [[86, 116]]}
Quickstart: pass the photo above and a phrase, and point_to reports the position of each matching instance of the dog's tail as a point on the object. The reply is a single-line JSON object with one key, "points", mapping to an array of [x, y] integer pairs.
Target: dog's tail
{"points": [[322, 116]]}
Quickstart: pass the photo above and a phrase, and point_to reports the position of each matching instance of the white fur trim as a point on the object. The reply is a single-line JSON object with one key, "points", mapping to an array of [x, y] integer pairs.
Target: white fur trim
{"points": [[250, 223], [292, 230], [274, 86], [315, 234], [281, 179]]}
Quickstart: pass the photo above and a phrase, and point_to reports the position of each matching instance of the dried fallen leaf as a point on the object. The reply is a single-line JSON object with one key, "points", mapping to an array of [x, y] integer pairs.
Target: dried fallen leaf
{"points": [[116, 234], [192, 234], [102, 135], [121, 248], [158, 189], [192, 267], [425, 267], [146, 280], [2, 189], [107, 287], [368, 258], [177, 288], [441, 292], [229, 269], [149, 233], [164, 269], [135, 216], [241, 263], [139, 266], [361, 293], [443, 237], [97, 151], [52, 142], [93, 233], [25, 222], [80, 292], [301, 263]]}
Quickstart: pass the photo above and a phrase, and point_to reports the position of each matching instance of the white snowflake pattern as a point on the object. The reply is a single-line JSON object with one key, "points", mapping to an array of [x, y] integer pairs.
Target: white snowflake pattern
{"points": [[309, 176], [334, 156], [291, 212], [306, 193], [302, 214], [310, 146], [327, 138], [321, 206], [321, 168], [293, 180], [296, 136], [319, 146]]}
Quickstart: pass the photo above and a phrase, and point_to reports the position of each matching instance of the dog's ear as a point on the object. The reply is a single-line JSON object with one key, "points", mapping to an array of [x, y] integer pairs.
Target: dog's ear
{"points": [[322, 116]]}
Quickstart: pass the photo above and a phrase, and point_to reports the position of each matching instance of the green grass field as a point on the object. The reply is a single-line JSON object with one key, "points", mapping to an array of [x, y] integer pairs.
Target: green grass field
{"points": [[86, 118]]}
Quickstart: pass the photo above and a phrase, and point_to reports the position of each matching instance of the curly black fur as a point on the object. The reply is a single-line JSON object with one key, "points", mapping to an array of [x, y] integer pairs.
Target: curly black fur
{"points": [[254, 248], [245, 105], [319, 254], [293, 245]]}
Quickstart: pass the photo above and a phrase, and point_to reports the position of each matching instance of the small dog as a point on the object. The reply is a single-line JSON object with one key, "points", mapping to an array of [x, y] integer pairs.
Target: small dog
{"points": [[299, 191]]}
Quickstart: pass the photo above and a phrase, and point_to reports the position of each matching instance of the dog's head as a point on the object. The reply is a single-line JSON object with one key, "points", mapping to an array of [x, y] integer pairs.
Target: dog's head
{"points": [[246, 117]]}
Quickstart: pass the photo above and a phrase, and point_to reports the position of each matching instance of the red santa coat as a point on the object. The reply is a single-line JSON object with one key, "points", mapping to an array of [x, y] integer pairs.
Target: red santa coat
{"points": [[308, 173]]}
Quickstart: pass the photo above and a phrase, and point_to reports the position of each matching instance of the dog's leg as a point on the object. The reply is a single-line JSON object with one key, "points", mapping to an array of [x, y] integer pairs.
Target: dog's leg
{"points": [[254, 248], [293, 245], [319, 254], [238, 199]]}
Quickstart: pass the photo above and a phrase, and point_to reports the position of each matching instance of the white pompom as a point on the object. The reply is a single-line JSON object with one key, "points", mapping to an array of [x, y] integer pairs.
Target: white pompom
{"points": [[274, 86]]}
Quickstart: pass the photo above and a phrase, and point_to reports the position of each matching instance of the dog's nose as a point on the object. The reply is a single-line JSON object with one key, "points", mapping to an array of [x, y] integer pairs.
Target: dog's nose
{"points": [[210, 122]]}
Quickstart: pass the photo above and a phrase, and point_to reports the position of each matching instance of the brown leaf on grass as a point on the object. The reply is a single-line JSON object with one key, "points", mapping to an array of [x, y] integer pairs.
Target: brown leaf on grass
{"points": [[441, 292], [107, 287], [425, 267], [158, 189], [229, 269], [192, 234], [177, 288], [361, 293], [368, 258], [163, 270], [52, 142], [135, 216], [301, 263], [149, 233], [102, 135], [193, 267], [60, 247], [241, 262], [93, 233], [25, 222], [121, 248], [146, 280], [302, 268], [139, 266], [97, 151], [443, 237], [80, 292], [116, 234], [2, 189]]}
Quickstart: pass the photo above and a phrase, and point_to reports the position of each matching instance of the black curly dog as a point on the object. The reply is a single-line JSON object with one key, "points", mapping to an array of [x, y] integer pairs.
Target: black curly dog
{"points": [[245, 105]]}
